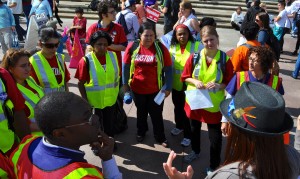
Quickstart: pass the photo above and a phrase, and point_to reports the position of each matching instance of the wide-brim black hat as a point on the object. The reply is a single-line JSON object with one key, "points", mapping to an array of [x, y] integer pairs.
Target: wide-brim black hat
{"points": [[259, 109]]}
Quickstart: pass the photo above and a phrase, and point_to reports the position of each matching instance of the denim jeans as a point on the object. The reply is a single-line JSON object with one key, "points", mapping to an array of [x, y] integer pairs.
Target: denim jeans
{"points": [[297, 67], [5, 39], [294, 28]]}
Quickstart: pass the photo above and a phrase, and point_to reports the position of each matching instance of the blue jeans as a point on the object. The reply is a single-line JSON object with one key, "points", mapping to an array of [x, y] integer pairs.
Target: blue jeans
{"points": [[297, 67], [294, 28]]}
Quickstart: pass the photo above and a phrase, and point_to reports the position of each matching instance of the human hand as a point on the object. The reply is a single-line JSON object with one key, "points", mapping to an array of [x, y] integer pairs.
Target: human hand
{"points": [[103, 147], [213, 85], [13, 28], [224, 128], [173, 173], [179, 16], [198, 84]]}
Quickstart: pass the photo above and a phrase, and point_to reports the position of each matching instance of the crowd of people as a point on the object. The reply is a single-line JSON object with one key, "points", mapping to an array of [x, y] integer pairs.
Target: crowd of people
{"points": [[40, 118]]}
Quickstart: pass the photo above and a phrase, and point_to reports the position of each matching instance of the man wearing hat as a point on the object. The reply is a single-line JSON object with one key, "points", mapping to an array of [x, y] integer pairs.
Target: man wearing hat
{"points": [[255, 146], [132, 23]]}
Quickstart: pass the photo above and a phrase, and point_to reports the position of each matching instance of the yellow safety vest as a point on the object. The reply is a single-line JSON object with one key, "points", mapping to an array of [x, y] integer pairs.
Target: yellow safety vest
{"points": [[207, 74], [31, 99], [45, 74], [159, 60], [179, 60], [103, 88], [243, 76], [3, 174], [7, 136]]}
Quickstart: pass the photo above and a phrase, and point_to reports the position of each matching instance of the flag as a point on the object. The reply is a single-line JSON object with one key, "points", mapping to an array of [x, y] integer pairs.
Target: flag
{"points": [[77, 52], [68, 42]]}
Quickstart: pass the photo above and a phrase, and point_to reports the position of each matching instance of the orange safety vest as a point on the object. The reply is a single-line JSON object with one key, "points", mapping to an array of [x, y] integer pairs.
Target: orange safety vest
{"points": [[274, 82], [24, 168]]}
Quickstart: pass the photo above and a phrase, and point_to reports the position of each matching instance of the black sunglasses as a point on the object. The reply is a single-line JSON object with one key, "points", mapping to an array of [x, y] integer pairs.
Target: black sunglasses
{"points": [[50, 45]]}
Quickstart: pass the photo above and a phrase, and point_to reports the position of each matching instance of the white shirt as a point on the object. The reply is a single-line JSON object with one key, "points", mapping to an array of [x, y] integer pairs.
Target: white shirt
{"points": [[295, 6], [283, 19], [237, 18], [18, 8], [132, 24], [289, 19]]}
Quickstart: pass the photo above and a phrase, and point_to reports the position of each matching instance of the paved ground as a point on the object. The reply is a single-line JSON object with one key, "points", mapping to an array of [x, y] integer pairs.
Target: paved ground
{"points": [[145, 160]]}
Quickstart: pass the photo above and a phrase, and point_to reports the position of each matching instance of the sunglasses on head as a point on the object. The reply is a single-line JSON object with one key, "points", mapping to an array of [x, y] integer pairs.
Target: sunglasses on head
{"points": [[50, 45]]}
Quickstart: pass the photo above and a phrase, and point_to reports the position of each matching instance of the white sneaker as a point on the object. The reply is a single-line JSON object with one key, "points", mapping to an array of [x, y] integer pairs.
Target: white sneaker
{"points": [[186, 142], [176, 131]]}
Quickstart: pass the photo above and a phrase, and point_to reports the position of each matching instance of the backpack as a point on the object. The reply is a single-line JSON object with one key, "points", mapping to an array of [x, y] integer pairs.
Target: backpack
{"points": [[93, 5], [273, 42], [122, 22], [197, 56]]}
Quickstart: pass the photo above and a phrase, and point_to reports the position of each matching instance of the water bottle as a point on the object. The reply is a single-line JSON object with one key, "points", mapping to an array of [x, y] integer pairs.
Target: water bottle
{"points": [[127, 98]]}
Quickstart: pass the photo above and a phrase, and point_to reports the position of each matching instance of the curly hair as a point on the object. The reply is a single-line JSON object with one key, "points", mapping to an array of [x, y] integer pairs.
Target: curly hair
{"points": [[250, 30], [265, 55], [12, 56], [100, 34], [103, 7]]}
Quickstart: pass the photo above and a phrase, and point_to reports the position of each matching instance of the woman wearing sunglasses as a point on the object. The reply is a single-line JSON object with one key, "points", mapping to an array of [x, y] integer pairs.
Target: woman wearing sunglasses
{"points": [[17, 63], [48, 67]]}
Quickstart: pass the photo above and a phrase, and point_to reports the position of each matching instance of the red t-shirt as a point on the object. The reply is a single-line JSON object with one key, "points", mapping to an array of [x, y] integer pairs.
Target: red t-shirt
{"points": [[12, 91], [116, 33], [200, 114], [82, 73], [82, 23], [144, 79], [54, 65]]}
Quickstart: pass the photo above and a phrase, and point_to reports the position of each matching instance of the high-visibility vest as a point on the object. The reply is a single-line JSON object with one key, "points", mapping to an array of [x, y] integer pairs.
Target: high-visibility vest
{"points": [[207, 74], [24, 168], [31, 99], [103, 88], [7, 136], [45, 74], [179, 60], [243, 76], [159, 60], [6, 170]]}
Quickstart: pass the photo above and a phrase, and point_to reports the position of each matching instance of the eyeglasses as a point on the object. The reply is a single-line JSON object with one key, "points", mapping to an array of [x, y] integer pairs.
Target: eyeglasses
{"points": [[50, 45], [254, 60], [112, 12], [257, 20], [92, 122]]}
